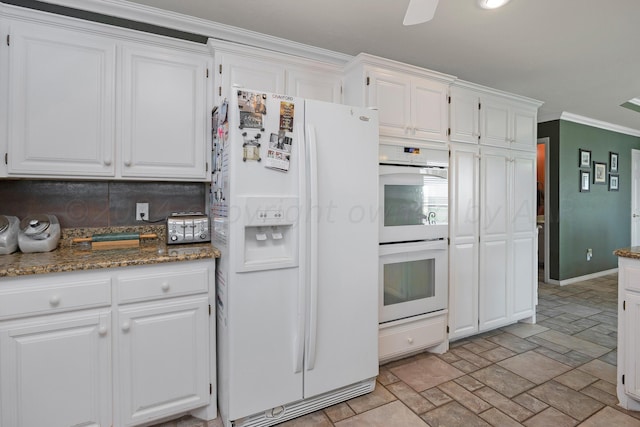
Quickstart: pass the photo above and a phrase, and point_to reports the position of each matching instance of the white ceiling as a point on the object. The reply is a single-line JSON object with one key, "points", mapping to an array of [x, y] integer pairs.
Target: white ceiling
{"points": [[578, 56]]}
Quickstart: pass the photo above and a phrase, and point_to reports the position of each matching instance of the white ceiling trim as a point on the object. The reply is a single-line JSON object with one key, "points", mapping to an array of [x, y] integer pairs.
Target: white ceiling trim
{"points": [[570, 117], [150, 15]]}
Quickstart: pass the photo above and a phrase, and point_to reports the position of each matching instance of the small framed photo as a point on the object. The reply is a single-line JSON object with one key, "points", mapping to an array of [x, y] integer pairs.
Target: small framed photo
{"points": [[585, 181], [613, 182], [613, 162], [599, 173], [584, 160]]}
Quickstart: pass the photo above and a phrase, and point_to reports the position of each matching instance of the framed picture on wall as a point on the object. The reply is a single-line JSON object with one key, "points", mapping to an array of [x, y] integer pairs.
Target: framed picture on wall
{"points": [[584, 160], [599, 173], [585, 181], [613, 182], [613, 162]]}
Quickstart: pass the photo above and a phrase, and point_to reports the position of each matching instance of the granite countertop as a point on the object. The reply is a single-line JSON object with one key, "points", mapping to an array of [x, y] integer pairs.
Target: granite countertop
{"points": [[632, 252], [79, 256]]}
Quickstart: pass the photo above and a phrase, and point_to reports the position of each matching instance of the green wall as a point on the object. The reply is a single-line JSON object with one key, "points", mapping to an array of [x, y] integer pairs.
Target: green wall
{"points": [[598, 219]]}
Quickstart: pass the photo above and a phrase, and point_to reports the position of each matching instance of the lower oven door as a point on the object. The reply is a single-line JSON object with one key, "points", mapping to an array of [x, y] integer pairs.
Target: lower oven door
{"points": [[413, 279]]}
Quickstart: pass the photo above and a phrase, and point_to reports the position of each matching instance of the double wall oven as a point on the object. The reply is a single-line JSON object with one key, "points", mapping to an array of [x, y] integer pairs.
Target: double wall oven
{"points": [[413, 231]]}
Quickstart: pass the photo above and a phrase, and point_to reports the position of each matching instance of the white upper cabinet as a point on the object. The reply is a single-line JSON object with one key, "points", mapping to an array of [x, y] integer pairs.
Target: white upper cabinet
{"points": [[61, 102], [492, 118], [164, 112], [411, 101], [86, 100], [268, 71]]}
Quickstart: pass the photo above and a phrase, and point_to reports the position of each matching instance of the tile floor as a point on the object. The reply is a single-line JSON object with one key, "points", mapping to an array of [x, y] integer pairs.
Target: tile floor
{"points": [[559, 372]]}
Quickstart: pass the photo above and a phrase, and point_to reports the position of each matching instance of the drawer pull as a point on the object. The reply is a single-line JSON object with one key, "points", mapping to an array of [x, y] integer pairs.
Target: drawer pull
{"points": [[54, 301], [410, 340], [126, 326], [165, 286], [102, 331]]}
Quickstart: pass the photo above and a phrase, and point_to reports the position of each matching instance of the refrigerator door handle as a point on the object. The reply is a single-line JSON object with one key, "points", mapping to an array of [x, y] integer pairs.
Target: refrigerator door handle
{"points": [[299, 345], [313, 247]]}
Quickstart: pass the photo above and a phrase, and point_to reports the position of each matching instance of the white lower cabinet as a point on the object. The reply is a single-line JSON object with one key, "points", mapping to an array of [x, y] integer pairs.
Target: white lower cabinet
{"points": [[121, 347], [404, 337], [628, 381]]}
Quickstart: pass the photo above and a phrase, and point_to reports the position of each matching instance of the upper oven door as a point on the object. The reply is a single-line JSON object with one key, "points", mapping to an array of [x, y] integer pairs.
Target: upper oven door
{"points": [[414, 203]]}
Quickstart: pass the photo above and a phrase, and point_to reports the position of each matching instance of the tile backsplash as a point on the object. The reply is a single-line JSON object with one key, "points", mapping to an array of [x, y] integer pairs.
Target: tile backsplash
{"points": [[99, 203]]}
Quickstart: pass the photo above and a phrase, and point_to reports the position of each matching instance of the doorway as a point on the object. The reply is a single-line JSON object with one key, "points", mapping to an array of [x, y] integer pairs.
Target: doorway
{"points": [[542, 205], [635, 197]]}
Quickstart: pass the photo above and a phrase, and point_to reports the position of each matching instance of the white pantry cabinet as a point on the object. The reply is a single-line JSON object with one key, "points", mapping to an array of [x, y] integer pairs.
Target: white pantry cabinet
{"points": [[493, 260], [120, 347], [86, 100], [412, 102], [493, 118], [628, 372], [260, 69]]}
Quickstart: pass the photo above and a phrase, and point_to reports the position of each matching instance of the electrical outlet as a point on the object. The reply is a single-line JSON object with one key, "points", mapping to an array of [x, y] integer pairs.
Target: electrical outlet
{"points": [[589, 254], [142, 211]]}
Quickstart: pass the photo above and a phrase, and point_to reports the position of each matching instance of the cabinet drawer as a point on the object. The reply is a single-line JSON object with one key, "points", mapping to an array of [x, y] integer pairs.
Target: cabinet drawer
{"points": [[631, 277], [409, 337], [33, 298], [162, 284]]}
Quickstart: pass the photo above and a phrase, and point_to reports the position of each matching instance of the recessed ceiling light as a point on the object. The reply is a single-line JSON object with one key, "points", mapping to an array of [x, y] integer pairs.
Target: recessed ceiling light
{"points": [[492, 4]]}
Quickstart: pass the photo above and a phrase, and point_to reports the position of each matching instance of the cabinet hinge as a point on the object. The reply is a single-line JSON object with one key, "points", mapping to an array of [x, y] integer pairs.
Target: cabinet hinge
{"points": [[220, 69], [449, 99], [209, 309], [624, 305], [206, 167], [368, 81], [210, 388], [219, 90], [622, 379], [448, 240], [6, 158], [341, 90], [479, 105], [8, 39], [449, 131], [207, 73], [447, 328]]}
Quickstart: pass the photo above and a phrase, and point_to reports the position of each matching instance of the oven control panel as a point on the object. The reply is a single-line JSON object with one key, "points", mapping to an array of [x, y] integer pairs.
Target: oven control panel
{"points": [[413, 156], [188, 227]]}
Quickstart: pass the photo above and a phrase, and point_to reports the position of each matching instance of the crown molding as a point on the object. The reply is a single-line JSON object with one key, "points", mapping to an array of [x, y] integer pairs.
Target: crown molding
{"points": [[575, 118], [151, 15]]}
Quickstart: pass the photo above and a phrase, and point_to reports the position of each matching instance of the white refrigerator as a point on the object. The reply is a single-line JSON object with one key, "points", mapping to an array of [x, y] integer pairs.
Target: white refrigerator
{"points": [[294, 213]]}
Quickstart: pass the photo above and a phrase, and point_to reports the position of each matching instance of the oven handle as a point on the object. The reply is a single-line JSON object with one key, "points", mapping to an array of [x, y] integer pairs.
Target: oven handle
{"points": [[386, 170], [427, 245]]}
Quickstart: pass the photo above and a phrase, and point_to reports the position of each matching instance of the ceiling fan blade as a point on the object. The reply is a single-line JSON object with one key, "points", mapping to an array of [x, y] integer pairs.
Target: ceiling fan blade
{"points": [[420, 11]]}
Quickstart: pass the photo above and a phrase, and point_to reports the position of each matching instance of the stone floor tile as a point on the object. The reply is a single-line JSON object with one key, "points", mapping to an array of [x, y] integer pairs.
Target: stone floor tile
{"points": [[580, 310], [376, 398], [531, 403], [479, 345], [580, 345], [611, 358], [605, 318], [576, 379], [550, 417], [586, 323], [469, 383], [215, 422], [509, 407], [394, 413], [497, 418], [606, 386], [598, 338], [502, 380], [572, 358], [601, 370], [565, 328], [534, 366], [600, 395], [314, 419], [412, 399], [571, 402], [436, 396], [426, 373], [386, 377], [339, 412], [465, 366], [524, 330], [513, 342], [471, 357], [449, 357], [497, 354], [548, 344], [464, 397], [608, 417], [453, 414]]}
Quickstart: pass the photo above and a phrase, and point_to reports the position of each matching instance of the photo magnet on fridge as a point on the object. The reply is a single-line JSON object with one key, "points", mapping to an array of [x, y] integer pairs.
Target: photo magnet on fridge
{"points": [[286, 116], [252, 102]]}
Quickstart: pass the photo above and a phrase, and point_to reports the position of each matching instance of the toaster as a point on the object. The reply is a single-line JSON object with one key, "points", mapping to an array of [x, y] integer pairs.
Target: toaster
{"points": [[188, 227]]}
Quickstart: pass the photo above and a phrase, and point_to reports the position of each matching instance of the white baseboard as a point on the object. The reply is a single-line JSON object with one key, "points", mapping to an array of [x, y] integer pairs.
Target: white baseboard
{"points": [[582, 278]]}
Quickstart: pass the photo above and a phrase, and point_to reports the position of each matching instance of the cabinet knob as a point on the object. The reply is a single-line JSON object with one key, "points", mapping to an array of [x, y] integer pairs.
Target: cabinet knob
{"points": [[410, 340], [127, 163], [102, 330], [126, 326], [165, 286], [107, 162], [54, 301]]}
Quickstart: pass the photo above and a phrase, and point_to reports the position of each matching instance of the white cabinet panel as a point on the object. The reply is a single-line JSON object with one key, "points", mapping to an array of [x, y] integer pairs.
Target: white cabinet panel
{"points": [[61, 102], [464, 116], [494, 286], [494, 121], [391, 94], [429, 109], [525, 129], [494, 190], [56, 371], [247, 72], [524, 276], [319, 85], [463, 289], [164, 111], [151, 338], [524, 193]]}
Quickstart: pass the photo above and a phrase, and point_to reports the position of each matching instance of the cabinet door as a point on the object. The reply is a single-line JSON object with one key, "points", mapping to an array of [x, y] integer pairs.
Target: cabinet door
{"points": [[463, 254], [464, 116], [494, 122], [247, 72], [429, 110], [56, 371], [163, 356], [494, 292], [391, 94], [61, 102], [524, 277], [524, 128], [164, 113], [632, 344], [309, 84]]}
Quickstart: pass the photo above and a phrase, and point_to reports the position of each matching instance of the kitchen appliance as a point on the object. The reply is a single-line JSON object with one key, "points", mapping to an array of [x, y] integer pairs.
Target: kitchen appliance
{"points": [[9, 228], [188, 227], [414, 193], [413, 263], [39, 233], [294, 212]]}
